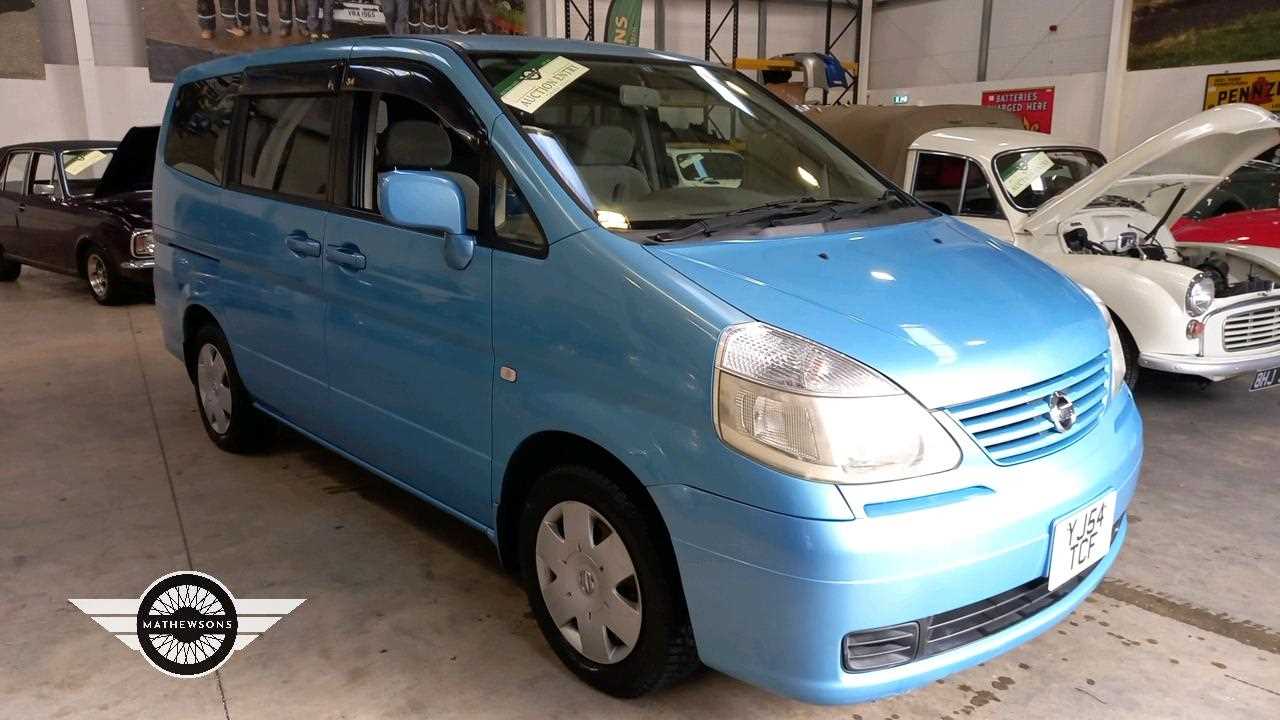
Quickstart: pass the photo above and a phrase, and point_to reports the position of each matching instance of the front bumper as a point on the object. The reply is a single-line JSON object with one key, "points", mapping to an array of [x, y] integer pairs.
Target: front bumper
{"points": [[771, 596], [1212, 368], [138, 270]]}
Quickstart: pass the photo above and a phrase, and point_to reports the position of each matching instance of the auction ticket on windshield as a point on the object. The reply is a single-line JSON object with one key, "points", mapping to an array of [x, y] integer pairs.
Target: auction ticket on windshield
{"points": [[530, 87]]}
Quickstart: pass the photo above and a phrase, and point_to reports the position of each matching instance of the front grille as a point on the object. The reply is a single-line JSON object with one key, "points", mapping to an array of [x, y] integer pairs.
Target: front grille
{"points": [[900, 644], [1014, 427], [1252, 330], [973, 622]]}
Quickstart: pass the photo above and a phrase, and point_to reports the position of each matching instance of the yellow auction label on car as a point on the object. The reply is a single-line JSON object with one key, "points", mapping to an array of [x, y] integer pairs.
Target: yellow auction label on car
{"points": [[1259, 88], [538, 80], [84, 162], [1026, 171]]}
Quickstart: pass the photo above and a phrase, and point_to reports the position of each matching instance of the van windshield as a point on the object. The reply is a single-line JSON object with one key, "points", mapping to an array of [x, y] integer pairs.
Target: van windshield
{"points": [[663, 144]]}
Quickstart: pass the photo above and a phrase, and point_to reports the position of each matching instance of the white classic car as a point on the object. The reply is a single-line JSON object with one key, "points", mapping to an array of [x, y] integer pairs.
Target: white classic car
{"points": [[1105, 225]]}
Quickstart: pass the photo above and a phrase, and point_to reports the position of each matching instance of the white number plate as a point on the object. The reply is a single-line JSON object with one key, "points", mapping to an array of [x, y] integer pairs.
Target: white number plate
{"points": [[359, 15], [1081, 539]]}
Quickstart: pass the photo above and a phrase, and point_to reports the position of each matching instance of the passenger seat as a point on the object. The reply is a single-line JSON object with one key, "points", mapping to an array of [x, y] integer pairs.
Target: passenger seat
{"points": [[424, 145], [603, 162]]}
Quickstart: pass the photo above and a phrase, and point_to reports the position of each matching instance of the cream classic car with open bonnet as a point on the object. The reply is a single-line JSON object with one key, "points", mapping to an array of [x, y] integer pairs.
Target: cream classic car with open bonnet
{"points": [[1211, 311]]}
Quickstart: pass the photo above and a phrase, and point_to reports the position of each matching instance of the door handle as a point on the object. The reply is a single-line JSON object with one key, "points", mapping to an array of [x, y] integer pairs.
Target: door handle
{"points": [[348, 257], [301, 244], [22, 207]]}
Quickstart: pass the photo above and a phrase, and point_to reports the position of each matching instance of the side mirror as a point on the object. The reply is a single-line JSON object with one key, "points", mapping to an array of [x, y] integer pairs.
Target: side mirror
{"points": [[423, 200], [43, 189]]}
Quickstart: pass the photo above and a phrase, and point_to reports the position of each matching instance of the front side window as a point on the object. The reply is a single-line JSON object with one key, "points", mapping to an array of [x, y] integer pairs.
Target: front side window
{"points": [[199, 125], [84, 168], [403, 134], [43, 180], [1033, 177], [286, 145], [15, 173], [951, 183], [663, 144]]}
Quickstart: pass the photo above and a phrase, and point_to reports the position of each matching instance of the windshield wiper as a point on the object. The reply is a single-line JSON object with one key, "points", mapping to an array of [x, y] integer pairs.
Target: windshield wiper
{"points": [[779, 212]]}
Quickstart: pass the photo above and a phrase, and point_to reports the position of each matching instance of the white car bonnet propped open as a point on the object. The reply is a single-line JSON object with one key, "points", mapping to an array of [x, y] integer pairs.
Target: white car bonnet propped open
{"points": [[1197, 153]]}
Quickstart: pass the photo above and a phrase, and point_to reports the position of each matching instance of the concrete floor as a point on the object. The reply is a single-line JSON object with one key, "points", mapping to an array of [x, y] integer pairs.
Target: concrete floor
{"points": [[107, 481]]}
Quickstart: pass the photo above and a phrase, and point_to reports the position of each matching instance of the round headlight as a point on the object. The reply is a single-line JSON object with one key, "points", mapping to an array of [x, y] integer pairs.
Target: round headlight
{"points": [[1200, 295]]}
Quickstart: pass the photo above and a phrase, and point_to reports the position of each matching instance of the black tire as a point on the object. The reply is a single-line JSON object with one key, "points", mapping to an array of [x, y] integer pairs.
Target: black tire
{"points": [[1131, 369], [665, 651], [101, 276], [246, 429], [9, 269]]}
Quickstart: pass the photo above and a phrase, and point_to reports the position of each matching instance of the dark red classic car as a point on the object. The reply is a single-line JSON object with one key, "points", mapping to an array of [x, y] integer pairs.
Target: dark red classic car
{"points": [[80, 208]]}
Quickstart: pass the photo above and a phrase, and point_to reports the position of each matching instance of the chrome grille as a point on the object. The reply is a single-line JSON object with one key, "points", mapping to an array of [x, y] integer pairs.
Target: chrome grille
{"points": [[1252, 330], [1014, 427]]}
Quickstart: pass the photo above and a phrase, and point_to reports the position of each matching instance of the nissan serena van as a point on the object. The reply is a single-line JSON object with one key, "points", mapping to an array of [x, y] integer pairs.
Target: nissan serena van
{"points": [[795, 425]]}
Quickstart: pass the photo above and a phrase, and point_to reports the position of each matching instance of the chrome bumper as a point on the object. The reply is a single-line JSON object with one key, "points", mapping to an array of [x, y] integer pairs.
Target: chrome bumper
{"points": [[1210, 368], [146, 264]]}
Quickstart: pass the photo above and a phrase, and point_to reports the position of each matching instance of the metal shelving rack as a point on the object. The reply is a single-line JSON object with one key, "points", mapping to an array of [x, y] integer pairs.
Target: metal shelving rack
{"points": [[589, 19]]}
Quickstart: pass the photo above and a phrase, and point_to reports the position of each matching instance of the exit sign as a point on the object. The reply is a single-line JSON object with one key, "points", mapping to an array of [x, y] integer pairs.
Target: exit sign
{"points": [[901, 99]]}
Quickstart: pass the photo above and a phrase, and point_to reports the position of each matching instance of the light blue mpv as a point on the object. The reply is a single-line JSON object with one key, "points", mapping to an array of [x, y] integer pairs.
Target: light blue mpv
{"points": [[718, 391]]}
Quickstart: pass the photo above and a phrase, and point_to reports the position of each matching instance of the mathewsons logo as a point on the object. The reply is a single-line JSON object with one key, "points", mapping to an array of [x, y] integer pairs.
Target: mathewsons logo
{"points": [[187, 624]]}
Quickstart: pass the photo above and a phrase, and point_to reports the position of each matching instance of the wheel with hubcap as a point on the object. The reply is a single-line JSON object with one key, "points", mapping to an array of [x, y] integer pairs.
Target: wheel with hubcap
{"points": [[602, 584], [103, 280], [226, 408]]}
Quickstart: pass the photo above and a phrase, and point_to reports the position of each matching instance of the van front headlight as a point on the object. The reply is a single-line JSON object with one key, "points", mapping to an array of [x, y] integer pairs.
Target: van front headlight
{"points": [[1118, 365], [809, 411]]}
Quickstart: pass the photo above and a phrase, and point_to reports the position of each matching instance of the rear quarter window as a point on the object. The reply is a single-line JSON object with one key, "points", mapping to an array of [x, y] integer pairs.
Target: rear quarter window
{"points": [[200, 126]]}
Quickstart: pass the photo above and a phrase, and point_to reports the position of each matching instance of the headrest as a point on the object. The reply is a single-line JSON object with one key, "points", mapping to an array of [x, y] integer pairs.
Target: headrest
{"points": [[416, 144], [607, 145]]}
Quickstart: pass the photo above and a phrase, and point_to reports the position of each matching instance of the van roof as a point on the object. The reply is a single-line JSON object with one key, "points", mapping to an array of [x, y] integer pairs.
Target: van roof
{"points": [[339, 49]]}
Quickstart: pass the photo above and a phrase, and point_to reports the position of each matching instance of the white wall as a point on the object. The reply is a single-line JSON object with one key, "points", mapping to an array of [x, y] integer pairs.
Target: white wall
{"points": [[925, 43], [1024, 45], [1155, 99], [49, 109], [920, 44], [1077, 109]]}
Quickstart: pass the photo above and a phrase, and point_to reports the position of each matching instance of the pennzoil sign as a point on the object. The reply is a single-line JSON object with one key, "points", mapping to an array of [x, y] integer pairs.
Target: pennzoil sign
{"points": [[1259, 88]]}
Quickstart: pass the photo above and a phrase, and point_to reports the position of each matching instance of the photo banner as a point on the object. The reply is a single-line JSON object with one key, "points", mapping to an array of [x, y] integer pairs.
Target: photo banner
{"points": [[21, 53], [1180, 33], [185, 32]]}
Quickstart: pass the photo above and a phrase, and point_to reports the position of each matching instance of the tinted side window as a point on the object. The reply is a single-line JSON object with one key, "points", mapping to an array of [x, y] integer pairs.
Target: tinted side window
{"points": [[15, 173], [286, 145], [979, 198], [938, 181], [199, 126]]}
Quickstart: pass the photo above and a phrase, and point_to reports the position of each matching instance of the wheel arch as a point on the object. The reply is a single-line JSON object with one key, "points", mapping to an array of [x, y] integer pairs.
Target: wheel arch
{"points": [[193, 318], [82, 248], [544, 450]]}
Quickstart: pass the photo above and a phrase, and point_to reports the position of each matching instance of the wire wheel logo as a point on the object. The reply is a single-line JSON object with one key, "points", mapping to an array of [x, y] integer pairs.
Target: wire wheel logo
{"points": [[187, 624]]}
